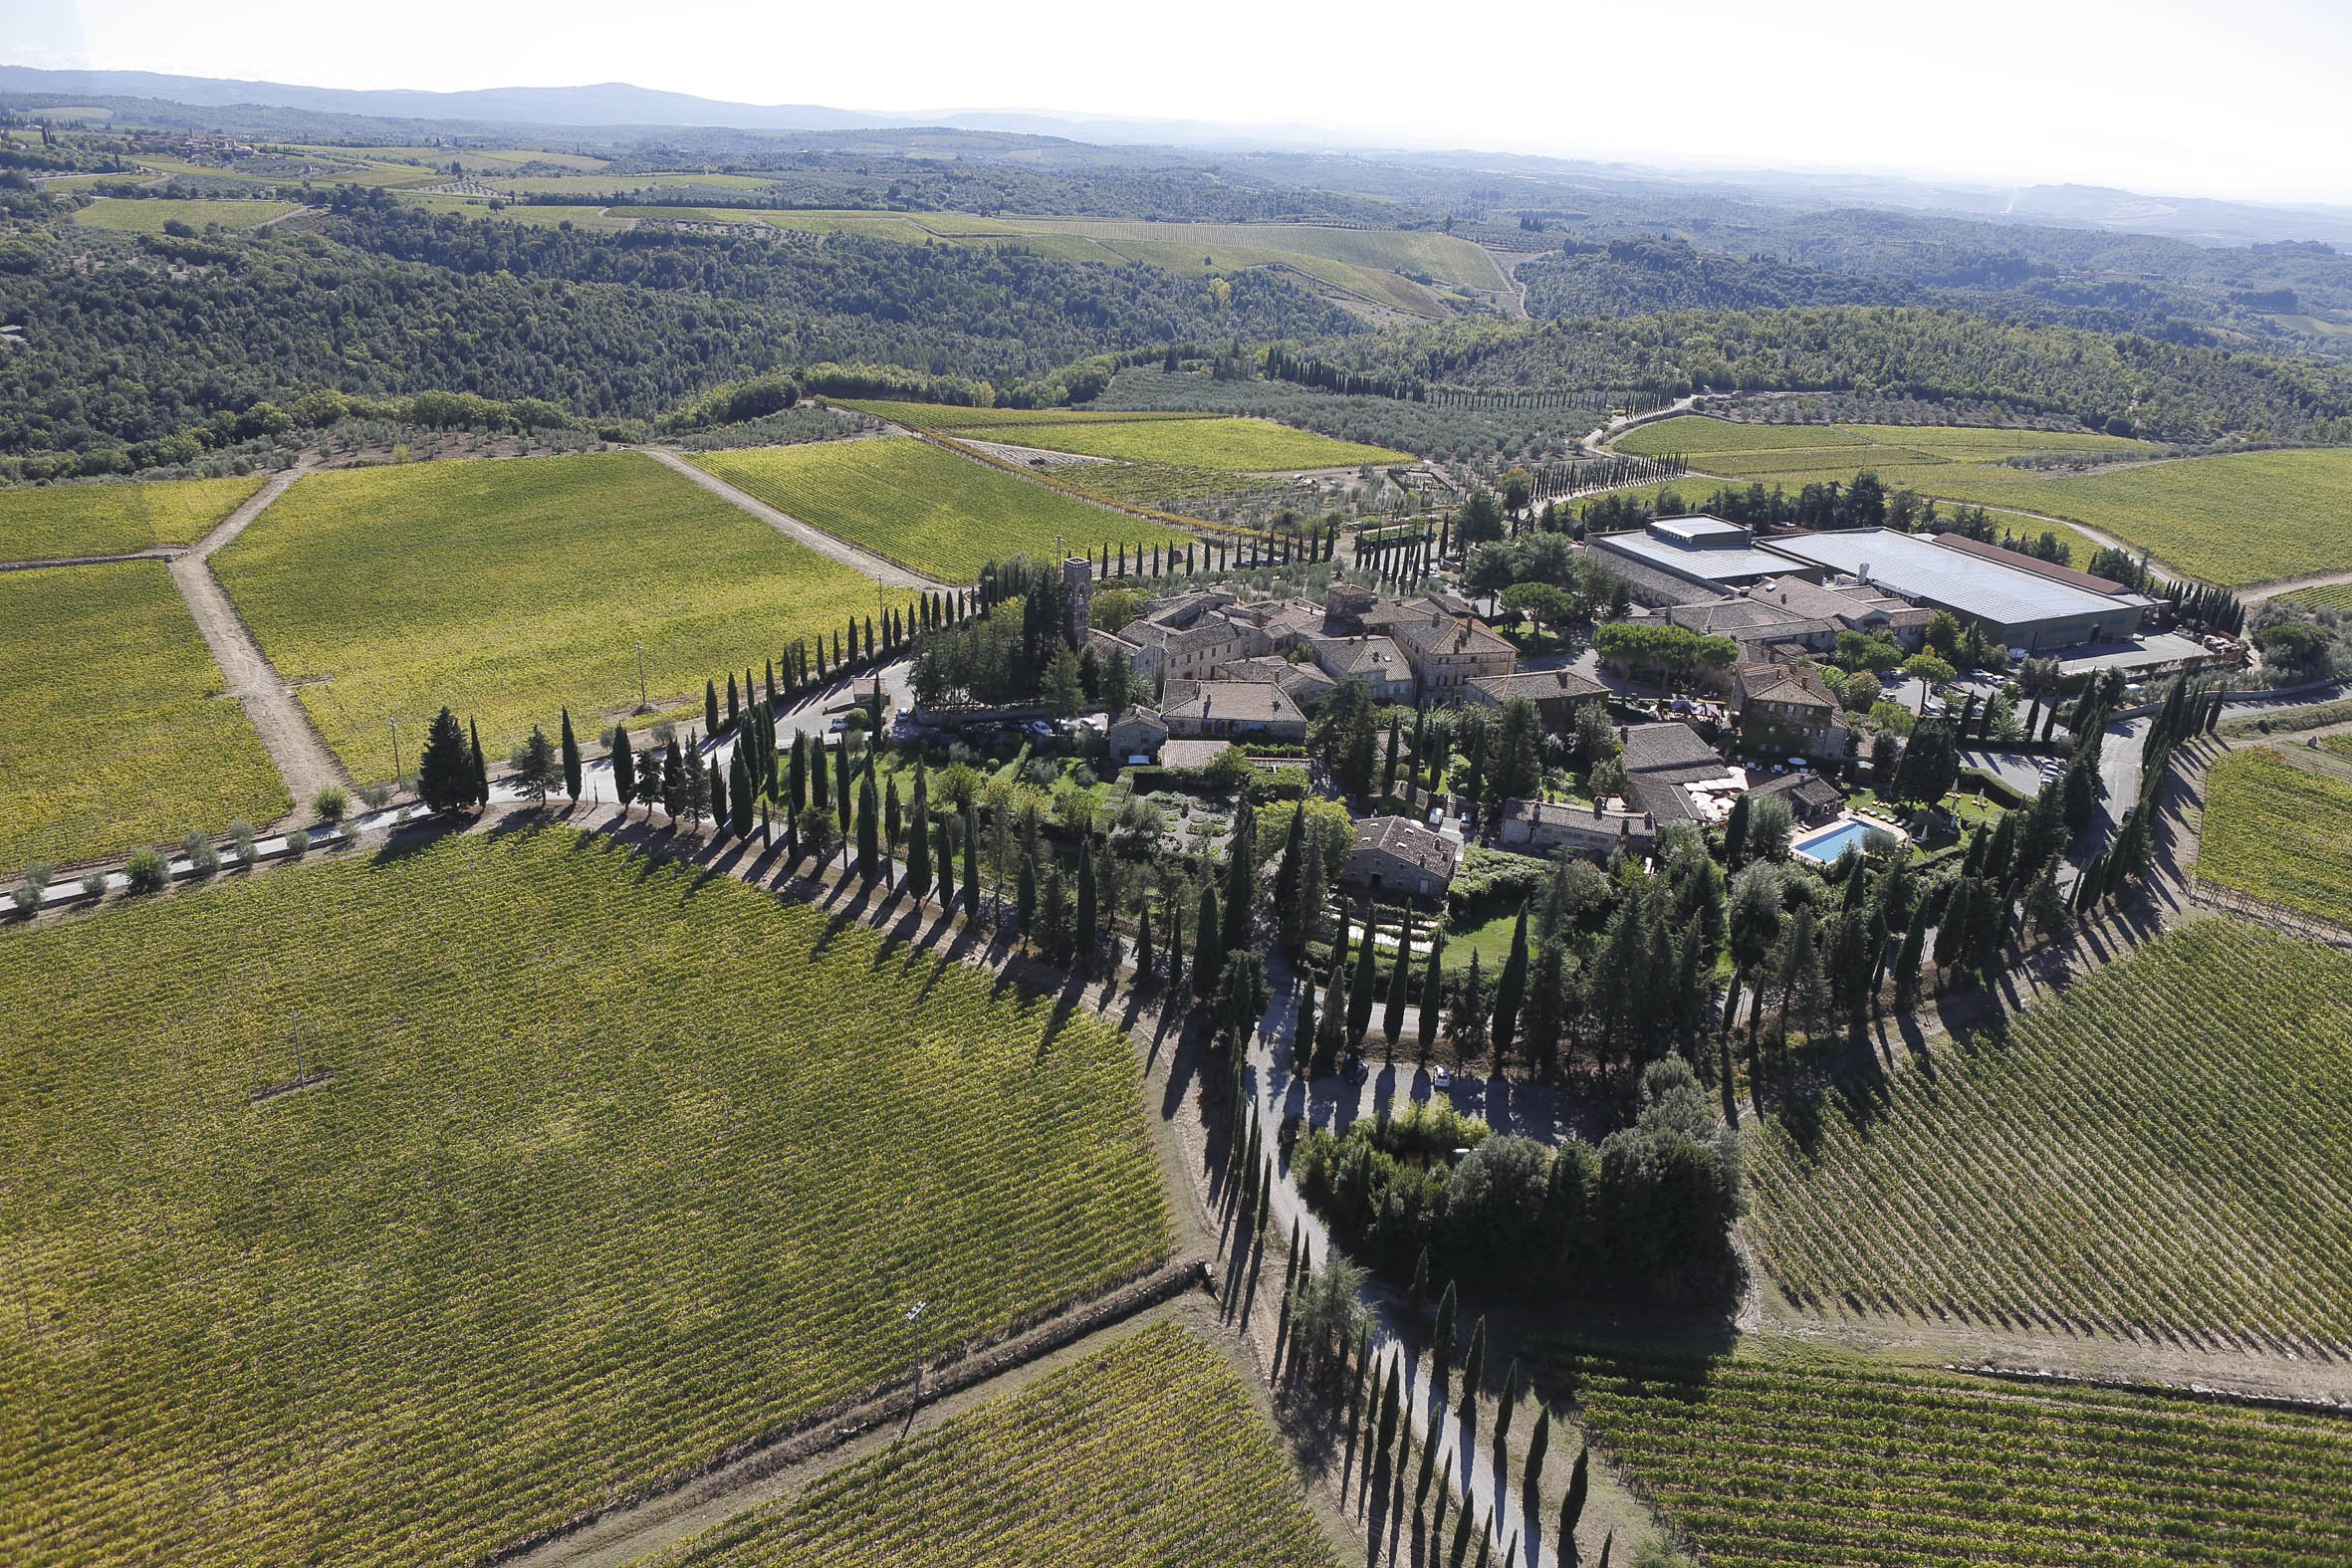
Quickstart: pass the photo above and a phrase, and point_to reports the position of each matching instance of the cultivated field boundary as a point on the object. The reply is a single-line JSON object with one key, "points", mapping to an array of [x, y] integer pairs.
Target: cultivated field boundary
{"points": [[674, 1507], [888, 573]]}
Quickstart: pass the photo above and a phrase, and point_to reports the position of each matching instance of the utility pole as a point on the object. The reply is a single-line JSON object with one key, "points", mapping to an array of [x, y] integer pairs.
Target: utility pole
{"points": [[396, 753], [294, 1021], [642, 704]]}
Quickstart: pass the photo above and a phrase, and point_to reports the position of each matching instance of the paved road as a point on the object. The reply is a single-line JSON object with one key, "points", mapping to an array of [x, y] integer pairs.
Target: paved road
{"points": [[888, 573]]}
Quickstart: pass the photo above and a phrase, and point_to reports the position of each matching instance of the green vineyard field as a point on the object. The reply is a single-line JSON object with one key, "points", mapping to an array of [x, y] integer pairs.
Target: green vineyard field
{"points": [[1235, 445], [115, 734], [2155, 1148], [617, 1166], [508, 589], [955, 417], [923, 507], [57, 521], [1149, 1451], [2279, 831], [1774, 1460], [147, 215]]}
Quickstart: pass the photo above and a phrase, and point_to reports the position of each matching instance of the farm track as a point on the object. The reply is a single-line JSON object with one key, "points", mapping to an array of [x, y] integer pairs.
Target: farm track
{"points": [[789, 1466], [887, 573], [159, 552], [302, 758]]}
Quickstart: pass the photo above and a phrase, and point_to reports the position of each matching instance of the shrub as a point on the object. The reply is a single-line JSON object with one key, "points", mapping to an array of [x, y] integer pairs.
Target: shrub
{"points": [[241, 837], [298, 843], [147, 871], [203, 859], [331, 803]]}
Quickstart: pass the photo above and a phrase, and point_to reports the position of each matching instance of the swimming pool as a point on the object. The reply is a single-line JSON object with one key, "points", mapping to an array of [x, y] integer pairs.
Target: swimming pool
{"points": [[1832, 841]]}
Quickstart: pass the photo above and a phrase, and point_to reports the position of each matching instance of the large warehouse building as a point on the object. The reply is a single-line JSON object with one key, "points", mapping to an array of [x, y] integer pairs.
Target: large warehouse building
{"points": [[2026, 610]]}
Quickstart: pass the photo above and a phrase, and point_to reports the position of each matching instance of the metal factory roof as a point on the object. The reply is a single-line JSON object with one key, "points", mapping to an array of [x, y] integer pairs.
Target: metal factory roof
{"points": [[1918, 569]]}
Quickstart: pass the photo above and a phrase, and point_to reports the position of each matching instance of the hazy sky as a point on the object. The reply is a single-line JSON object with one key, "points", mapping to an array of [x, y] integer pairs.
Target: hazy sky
{"points": [[2248, 98]]}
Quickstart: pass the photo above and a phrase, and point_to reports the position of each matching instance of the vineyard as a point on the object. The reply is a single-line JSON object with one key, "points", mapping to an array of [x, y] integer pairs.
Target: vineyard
{"points": [[614, 1165], [147, 215], [1150, 1451], [1774, 1460], [56, 520], [510, 588], [2331, 596], [2279, 831], [958, 419], [1237, 445], [925, 508], [116, 737], [2246, 518], [2153, 1151]]}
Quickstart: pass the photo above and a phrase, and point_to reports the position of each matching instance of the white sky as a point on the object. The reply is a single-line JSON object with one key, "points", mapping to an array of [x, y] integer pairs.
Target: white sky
{"points": [[2247, 99]]}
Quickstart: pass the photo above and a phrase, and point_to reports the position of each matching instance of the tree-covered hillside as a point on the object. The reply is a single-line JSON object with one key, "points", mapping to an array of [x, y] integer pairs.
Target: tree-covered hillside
{"points": [[131, 339], [2168, 392]]}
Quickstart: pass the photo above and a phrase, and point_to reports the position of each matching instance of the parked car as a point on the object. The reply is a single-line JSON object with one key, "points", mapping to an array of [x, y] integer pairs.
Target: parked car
{"points": [[1443, 1077], [1356, 1070]]}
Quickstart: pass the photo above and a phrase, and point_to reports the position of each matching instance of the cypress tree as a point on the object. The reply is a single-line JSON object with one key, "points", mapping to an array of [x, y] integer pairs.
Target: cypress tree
{"points": [[1175, 943], [1208, 953], [1440, 1341], [673, 783], [1389, 1399], [943, 842], [971, 861], [734, 709], [770, 682], [481, 765], [570, 746], [841, 799], [1362, 989], [1241, 880], [1511, 989], [1142, 940], [444, 774], [1474, 1363], [1906, 964], [1571, 1507], [710, 707], [869, 848], [918, 837], [1433, 997], [1400, 990], [722, 804], [893, 824], [1303, 1031], [1025, 891], [1502, 1409], [1331, 1031], [1086, 934], [1287, 877], [625, 768], [796, 777], [1734, 833], [1417, 1292], [1538, 1445]]}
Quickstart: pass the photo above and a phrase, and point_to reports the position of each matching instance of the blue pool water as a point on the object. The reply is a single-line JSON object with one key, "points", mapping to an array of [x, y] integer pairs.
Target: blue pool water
{"points": [[1828, 844]]}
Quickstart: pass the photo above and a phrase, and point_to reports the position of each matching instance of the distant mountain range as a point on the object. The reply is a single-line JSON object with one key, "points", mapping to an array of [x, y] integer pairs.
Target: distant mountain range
{"points": [[616, 106]]}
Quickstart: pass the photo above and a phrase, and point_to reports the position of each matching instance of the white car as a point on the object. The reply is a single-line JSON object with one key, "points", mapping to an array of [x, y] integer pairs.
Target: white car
{"points": [[1443, 1077]]}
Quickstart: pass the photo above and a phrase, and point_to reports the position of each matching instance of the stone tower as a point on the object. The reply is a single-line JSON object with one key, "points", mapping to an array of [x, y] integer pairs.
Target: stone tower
{"points": [[1077, 593]]}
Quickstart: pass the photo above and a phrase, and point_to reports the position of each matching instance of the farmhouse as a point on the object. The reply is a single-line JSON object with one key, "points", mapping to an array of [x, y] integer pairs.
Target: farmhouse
{"points": [[1845, 606], [1811, 799], [1788, 708], [1136, 736], [1555, 693], [1675, 776], [1374, 660], [1395, 854], [1447, 652], [1231, 710], [1539, 827]]}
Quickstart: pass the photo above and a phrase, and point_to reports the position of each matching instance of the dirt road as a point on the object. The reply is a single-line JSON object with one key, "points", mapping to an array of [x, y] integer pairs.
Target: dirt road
{"points": [[885, 572], [303, 762]]}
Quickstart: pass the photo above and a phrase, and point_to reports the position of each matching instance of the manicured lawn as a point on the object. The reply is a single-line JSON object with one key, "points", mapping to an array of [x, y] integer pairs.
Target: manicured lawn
{"points": [[114, 736], [926, 508], [508, 589], [617, 1166]]}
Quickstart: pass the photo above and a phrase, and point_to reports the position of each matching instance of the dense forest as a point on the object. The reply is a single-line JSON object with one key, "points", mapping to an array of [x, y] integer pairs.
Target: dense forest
{"points": [[2168, 391], [128, 339]]}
